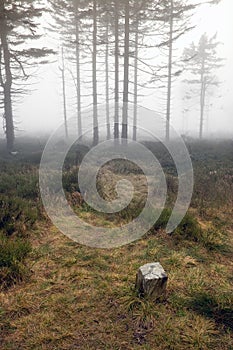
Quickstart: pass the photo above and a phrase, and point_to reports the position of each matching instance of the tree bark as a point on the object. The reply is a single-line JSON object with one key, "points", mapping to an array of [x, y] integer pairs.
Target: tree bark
{"points": [[202, 99], [126, 75], [107, 80], [169, 85], [64, 94], [7, 83], [94, 67], [78, 83], [116, 117], [135, 81]]}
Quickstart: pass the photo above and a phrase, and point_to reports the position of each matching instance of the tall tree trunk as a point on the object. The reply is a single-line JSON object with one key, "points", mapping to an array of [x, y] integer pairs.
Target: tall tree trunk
{"points": [[107, 80], [135, 81], [126, 74], [7, 82], [116, 117], [78, 83], [94, 77], [202, 99], [64, 93], [169, 85]]}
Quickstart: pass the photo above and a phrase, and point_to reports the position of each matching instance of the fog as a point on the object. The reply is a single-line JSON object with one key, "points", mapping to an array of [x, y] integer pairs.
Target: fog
{"points": [[42, 111]]}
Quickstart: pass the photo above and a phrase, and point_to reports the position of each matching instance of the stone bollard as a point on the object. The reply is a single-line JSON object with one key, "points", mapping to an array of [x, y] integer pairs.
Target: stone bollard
{"points": [[151, 281]]}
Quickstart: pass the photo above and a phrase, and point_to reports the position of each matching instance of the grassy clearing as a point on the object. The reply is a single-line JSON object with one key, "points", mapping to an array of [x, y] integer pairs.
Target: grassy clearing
{"points": [[69, 296], [83, 298]]}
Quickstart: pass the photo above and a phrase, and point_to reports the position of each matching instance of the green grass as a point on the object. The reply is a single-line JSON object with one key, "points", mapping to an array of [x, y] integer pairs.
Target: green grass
{"points": [[13, 253], [64, 296]]}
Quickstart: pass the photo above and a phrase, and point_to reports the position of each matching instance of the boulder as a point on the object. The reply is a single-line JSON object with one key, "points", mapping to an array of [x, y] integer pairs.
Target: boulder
{"points": [[151, 281]]}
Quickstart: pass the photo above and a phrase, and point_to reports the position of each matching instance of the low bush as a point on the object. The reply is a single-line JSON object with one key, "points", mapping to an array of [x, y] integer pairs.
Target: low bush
{"points": [[70, 180], [131, 212], [19, 181], [124, 166], [213, 188], [213, 239], [162, 221], [13, 252], [189, 228], [16, 215]]}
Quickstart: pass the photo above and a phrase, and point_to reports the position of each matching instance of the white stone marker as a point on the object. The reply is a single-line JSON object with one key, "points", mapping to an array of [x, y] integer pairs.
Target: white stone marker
{"points": [[151, 281]]}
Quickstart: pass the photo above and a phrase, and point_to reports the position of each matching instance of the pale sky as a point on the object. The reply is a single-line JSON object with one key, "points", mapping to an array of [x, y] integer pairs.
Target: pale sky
{"points": [[42, 109]]}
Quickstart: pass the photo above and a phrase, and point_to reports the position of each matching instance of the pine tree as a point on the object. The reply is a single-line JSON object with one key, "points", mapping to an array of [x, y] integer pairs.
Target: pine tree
{"points": [[62, 69], [94, 76], [71, 25], [126, 72], [201, 62], [116, 35], [175, 15], [18, 25]]}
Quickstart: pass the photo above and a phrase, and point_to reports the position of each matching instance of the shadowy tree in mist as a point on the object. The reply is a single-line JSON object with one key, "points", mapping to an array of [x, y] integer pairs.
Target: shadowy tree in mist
{"points": [[62, 69], [70, 24], [107, 19], [172, 21], [19, 21], [126, 71], [173, 17], [115, 31], [133, 14], [202, 61], [116, 97], [94, 76]]}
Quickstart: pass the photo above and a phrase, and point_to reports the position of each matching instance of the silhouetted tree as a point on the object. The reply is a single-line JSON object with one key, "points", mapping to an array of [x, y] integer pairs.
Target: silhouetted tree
{"points": [[201, 62], [62, 69], [175, 15], [94, 76], [126, 72], [116, 35], [18, 26], [135, 78], [107, 77], [76, 5], [70, 18]]}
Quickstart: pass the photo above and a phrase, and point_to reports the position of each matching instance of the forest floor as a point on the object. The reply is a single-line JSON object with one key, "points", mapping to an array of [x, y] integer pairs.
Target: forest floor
{"points": [[77, 297]]}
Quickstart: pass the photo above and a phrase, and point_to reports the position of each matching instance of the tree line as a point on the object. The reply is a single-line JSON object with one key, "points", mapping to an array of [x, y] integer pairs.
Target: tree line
{"points": [[108, 40]]}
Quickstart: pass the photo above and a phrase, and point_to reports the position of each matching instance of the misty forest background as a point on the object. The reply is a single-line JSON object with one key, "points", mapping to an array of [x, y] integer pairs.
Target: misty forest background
{"points": [[108, 52]]}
